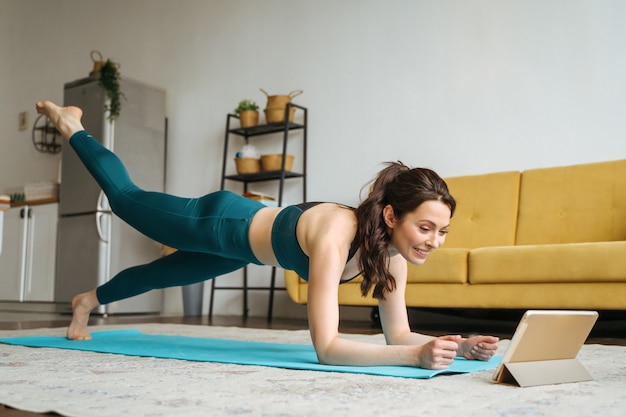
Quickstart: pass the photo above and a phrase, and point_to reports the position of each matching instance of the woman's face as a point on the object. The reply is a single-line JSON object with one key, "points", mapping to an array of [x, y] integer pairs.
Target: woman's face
{"points": [[419, 232]]}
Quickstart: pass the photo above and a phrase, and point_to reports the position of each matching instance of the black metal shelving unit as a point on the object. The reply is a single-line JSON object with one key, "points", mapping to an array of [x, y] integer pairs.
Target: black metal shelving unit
{"points": [[286, 128]]}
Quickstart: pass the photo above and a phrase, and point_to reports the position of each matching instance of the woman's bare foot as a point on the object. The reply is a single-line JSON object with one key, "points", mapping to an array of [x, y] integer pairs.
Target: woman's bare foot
{"points": [[65, 119], [82, 305]]}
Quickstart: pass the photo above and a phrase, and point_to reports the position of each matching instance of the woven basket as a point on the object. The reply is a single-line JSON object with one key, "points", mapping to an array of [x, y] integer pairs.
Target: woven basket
{"points": [[279, 100], [273, 162], [277, 114], [248, 165]]}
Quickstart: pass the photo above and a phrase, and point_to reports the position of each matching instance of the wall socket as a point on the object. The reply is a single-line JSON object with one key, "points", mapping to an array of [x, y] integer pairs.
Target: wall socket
{"points": [[23, 121]]}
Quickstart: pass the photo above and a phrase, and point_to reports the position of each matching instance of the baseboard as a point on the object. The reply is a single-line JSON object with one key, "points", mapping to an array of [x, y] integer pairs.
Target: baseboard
{"points": [[35, 307]]}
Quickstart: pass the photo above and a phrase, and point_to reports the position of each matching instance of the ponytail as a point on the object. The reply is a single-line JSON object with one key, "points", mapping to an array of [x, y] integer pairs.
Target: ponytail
{"points": [[404, 189]]}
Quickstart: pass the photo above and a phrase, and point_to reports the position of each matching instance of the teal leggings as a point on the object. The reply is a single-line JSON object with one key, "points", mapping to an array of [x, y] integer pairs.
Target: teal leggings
{"points": [[210, 232]]}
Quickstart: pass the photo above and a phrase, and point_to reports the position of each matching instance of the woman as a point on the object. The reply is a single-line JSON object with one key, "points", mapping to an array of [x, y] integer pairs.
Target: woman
{"points": [[404, 219]]}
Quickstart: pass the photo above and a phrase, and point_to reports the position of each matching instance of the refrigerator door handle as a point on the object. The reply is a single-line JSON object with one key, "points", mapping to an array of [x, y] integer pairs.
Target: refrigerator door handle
{"points": [[102, 225], [103, 202]]}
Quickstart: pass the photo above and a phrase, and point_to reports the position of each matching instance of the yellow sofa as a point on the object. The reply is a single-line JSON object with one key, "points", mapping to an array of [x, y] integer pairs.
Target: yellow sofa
{"points": [[543, 238]]}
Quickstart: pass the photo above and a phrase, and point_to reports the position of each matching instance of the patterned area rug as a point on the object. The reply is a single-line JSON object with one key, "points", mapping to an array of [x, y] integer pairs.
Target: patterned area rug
{"points": [[74, 383]]}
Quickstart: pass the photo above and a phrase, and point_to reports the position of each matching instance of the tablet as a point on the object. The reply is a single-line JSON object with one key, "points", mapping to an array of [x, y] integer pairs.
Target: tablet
{"points": [[544, 347]]}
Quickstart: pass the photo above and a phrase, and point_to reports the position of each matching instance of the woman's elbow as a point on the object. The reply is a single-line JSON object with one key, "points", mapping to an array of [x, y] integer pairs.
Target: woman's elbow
{"points": [[323, 356]]}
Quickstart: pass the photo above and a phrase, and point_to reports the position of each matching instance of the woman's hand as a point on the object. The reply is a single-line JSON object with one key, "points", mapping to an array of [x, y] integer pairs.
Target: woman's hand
{"points": [[439, 353], [478, 347]]}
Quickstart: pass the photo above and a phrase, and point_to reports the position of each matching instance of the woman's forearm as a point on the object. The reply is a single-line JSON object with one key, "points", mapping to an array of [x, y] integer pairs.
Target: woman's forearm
{"points": [[341, 351], [409, 338]]}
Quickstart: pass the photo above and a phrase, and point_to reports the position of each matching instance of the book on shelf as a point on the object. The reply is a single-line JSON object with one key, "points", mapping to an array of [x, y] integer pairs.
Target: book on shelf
{"points": [[263, 198], [5, 201]]}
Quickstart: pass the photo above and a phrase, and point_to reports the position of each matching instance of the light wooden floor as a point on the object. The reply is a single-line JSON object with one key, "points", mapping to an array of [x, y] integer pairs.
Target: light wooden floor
{"points": [[610, 329]]}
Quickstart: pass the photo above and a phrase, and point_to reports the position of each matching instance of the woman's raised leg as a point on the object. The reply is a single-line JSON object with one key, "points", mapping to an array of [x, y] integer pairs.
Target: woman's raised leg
{"points": [[182, 223]]}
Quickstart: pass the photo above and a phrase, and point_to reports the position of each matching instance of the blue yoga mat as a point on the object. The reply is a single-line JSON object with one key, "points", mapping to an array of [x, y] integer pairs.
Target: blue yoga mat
{"points": [[278, 355]]}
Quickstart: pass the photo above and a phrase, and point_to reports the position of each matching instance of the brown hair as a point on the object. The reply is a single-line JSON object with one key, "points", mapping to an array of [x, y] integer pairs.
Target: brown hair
{"points": [[404, 189]]}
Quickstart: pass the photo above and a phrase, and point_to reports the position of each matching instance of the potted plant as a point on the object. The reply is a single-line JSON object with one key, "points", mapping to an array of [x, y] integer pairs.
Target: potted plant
{"points": [[110, 81], [248, 112], [108, 75]]}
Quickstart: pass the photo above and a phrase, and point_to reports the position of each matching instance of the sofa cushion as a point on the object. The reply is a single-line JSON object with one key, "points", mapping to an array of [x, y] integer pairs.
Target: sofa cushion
{"points": [[562, 295], [579, 203], [486, 213], [444, 266], [570, 262]]}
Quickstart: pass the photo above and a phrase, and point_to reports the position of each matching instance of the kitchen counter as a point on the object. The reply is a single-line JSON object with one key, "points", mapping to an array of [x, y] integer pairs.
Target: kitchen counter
{"points": [[31, 203]]}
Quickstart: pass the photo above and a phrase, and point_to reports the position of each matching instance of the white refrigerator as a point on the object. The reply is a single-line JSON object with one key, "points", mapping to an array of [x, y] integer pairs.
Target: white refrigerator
{"points": [[93, 243]]}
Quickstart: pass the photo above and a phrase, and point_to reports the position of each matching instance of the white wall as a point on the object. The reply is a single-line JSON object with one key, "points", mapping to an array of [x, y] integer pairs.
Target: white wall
{"points": [[460, 86]]}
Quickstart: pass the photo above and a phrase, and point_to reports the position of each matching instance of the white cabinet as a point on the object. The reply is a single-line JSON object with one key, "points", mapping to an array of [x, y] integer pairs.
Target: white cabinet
{"points": [[28, 253]]}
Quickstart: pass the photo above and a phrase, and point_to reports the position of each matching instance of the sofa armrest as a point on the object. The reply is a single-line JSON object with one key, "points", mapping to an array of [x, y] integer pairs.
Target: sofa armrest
{"points": [[296, 287], [349, 293]]}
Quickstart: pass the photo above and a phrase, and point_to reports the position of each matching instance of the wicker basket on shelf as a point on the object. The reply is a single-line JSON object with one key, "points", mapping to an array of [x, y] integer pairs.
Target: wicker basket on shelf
{"points": [[273, 162], [276, 104], [248, 165], [277, 114]]}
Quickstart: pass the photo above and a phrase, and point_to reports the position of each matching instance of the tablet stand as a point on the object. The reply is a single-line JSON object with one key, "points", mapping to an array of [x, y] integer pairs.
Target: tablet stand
{"points": [[530, 374]]}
